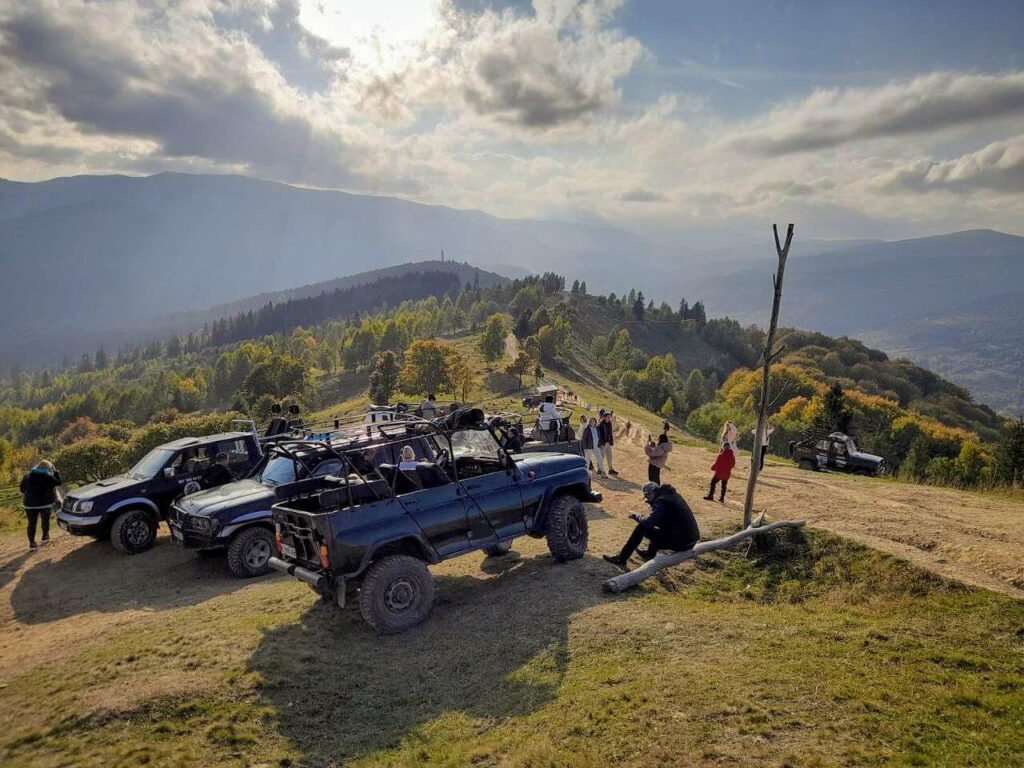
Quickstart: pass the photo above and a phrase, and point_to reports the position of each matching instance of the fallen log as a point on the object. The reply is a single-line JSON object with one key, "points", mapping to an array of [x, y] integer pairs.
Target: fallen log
{"points": [[625, 581]]}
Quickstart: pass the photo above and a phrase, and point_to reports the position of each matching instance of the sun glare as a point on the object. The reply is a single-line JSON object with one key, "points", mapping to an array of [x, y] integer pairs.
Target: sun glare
{"points": [[375, 31]]}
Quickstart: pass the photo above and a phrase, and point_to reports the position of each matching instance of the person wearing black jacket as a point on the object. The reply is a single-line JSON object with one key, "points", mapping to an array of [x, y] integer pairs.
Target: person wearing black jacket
{"points": [[671, 525], [39, 493], [218, 473], [606, 430]]}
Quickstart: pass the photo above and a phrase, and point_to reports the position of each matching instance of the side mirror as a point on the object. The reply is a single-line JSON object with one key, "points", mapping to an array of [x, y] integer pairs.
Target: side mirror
{"points": [[169, 473]]}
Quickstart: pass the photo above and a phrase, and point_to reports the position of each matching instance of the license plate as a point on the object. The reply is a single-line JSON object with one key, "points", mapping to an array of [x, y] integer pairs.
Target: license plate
{"points": [[176, 534], [287, 550]]}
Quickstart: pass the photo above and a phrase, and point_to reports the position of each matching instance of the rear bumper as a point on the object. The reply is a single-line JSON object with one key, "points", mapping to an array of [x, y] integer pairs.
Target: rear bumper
{"points": [[77, 525]]}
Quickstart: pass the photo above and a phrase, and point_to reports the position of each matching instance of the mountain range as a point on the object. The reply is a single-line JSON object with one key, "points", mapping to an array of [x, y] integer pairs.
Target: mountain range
{"points": [[105, 260]]}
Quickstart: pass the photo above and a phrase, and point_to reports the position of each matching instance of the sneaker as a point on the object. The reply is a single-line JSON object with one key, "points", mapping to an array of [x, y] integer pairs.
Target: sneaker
{"points": [[46, 538], [709, 497], [614, 560], [612, 472], [33, 545]]}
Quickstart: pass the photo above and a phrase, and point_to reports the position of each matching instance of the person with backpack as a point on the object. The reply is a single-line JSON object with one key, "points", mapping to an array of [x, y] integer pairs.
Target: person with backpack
{"points": [[39, 493]]}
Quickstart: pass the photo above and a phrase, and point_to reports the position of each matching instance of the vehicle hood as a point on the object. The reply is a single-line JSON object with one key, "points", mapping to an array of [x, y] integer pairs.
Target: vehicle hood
{"points": [[543, 463], [229, 495], [870, 458], [112, 485]]}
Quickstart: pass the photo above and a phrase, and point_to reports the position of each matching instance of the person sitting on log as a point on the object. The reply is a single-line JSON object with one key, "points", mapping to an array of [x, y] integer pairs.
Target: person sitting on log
{"points": [[670, 525]]}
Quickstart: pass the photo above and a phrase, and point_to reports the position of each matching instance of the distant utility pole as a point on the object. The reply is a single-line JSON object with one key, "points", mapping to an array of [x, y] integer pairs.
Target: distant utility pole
{"points": [[442, 255], [770, 354]]}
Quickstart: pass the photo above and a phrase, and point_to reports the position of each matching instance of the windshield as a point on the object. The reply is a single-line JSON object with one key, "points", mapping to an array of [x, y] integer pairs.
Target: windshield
{"points": [[151, 463], [279, 469], [475, 442]]}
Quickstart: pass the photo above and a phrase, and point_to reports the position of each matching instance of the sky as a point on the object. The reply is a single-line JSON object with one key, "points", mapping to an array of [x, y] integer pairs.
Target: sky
{"points": [[854, 119]]}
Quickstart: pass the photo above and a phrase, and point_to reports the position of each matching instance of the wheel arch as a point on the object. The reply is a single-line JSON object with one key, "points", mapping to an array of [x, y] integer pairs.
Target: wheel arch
{"points": [[136, 502]]}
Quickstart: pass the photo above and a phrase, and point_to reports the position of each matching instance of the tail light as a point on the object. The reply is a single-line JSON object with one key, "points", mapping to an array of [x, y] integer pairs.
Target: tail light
{"points": [[325, 562]]}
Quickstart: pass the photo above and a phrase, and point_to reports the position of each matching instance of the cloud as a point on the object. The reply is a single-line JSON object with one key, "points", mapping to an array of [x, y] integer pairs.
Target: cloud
{"points": [[123, 69], [556, 67], [833, 117], [997, 167], [642, 195]]}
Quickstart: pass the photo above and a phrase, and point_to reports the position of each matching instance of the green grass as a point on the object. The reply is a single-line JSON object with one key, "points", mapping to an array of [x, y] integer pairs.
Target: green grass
{"points": [[812, 651], [12, 517]]}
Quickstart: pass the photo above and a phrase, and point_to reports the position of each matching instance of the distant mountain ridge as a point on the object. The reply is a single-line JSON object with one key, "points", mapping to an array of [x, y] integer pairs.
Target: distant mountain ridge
{"points": [[92, 260], [948, 302]]}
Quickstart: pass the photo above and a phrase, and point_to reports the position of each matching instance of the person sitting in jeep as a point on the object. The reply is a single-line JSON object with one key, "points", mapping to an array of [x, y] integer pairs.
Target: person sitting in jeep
{"points": [[218, 472]]}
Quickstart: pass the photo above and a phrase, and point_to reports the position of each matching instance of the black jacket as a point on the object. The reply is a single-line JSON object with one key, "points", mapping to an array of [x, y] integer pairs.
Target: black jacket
{"points": [[672, 516], [216, 475], [39, 487], [586, 439], [607, 433]]}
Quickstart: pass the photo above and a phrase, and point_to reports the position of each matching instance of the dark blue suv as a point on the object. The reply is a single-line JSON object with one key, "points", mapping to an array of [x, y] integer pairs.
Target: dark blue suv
{"points": [[128, 508]]}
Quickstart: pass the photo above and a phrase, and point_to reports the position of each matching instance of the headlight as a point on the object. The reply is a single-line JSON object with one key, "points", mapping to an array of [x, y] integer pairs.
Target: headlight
{"points": [[83, 507]]}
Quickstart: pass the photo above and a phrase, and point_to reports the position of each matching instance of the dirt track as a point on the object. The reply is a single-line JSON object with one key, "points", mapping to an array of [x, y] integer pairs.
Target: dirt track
{"points": [[76, 590]]}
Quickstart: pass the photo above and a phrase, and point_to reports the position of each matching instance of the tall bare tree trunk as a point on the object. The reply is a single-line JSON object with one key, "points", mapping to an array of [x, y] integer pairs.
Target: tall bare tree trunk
{"points": [[769, 356]]}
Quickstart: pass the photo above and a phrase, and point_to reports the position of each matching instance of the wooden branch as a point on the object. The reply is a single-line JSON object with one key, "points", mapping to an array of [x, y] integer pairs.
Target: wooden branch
{"points": [[661, 562]]}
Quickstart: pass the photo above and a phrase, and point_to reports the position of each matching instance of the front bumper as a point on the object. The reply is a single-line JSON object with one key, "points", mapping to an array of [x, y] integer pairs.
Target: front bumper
{"points": [[596, 497], [77, 525]]}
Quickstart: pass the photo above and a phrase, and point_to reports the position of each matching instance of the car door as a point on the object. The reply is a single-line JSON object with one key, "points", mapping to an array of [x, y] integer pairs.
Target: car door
{"points": [[180, 475], [822, 453], [444, 516], [495, 494]]}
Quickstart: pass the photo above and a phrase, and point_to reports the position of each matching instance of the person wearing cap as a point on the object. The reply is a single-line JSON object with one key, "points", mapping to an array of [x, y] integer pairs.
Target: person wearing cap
{"points": [[670, 525]]}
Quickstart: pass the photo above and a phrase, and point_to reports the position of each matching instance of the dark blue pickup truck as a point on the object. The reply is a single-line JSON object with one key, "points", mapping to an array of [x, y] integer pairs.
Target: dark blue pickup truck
{"points": [[375, 532]]}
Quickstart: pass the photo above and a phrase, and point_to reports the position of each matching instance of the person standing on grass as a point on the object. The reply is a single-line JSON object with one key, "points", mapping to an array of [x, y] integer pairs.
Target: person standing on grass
{"points": [[657, 455], [589, 441], [39, 493], [765, 440], [606, 429], [723, 465], [671, 525]]}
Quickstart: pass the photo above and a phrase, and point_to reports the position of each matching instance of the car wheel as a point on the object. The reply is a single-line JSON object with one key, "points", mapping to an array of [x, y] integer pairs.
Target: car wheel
{"points": [[249, 553], [497, 550], [396, 594], [567, 529], [807, 465], [133, 531]]}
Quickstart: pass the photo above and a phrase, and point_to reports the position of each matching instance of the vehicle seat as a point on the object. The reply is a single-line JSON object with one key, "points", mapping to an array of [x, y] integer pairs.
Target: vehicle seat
{"points": [[430, 475]]}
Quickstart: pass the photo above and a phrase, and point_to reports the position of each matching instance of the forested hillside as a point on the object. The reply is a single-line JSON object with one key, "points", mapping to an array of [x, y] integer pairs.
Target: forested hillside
{"points": [[392, 338]]}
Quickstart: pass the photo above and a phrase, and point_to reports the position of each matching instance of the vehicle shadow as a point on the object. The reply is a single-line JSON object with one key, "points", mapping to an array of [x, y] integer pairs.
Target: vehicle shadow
{"points": [[95, 577], [10, 568], [492, 648]]}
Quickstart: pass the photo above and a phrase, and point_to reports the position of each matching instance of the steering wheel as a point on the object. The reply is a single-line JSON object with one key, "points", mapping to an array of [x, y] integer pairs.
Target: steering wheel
{"points": [[442, 458]]}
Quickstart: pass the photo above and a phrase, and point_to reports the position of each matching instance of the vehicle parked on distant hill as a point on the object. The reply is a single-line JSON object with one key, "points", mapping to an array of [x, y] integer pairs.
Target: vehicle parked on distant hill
{"points": [[128, 508], [836, 452], [375, 534]]}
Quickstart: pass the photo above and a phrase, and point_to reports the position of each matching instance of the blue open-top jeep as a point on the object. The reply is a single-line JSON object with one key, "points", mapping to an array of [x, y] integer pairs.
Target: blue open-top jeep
{"points": [[374, 530]]}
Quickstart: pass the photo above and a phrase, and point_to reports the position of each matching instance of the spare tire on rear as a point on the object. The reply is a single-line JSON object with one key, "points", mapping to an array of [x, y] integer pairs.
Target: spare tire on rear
{"points": [[567, 529]]}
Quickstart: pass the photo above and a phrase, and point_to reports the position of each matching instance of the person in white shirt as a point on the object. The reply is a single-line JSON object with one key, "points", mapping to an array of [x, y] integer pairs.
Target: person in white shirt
{"points": [[547, 422], [428, 408], [765, 440]]}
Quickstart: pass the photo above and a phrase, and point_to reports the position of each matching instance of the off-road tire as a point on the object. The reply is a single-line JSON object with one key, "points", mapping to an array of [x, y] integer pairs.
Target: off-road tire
{"points": [[397, 594], [133, 531], [806, 464], [249, 553], [567, 530], [497, 550]]}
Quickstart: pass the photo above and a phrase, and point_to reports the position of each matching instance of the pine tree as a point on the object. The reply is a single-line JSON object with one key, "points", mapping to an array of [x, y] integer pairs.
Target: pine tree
{"points": [[638, 305], [384, 379], [698, 315], [583, 288]]}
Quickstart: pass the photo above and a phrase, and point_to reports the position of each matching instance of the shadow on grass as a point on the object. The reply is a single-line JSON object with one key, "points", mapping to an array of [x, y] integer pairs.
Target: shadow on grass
{"points": [[95, 577], [492, 648]]}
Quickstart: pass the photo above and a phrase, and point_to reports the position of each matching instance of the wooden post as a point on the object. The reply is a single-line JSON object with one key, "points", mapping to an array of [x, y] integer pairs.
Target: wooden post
{"points": [[769, 355]]}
